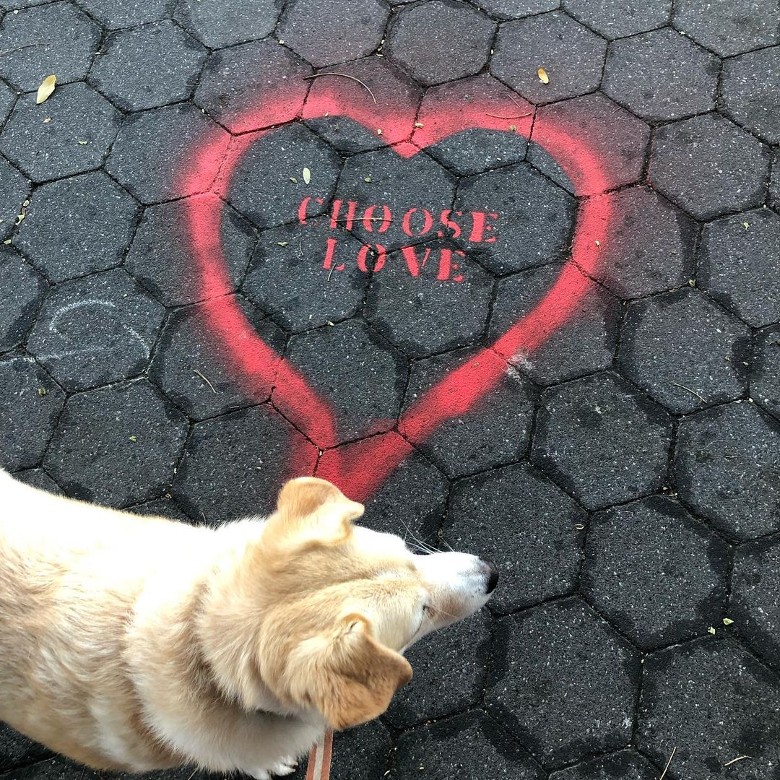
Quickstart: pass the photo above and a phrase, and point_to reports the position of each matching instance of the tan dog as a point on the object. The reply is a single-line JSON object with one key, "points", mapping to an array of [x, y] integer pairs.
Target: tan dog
{"points": [[140, 643]]}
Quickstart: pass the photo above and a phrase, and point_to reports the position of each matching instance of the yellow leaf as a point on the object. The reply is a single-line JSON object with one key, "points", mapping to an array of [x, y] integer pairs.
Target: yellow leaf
{"points": [[727, 621], [306, 176], [543, 77], [46, 88]]}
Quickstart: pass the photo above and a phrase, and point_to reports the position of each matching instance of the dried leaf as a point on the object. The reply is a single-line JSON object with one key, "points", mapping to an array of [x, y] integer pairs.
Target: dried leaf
{"points": [[306, 176], [711, 630], [46, 88], [543, 77], [727, 621]]}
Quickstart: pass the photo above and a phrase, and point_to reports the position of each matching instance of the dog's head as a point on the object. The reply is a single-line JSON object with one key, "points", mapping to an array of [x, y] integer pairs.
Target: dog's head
{"points": [[347, 601]]}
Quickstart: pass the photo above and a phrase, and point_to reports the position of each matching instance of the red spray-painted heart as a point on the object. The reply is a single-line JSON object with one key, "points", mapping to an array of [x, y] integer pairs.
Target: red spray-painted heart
{"points": [[359, 468]]}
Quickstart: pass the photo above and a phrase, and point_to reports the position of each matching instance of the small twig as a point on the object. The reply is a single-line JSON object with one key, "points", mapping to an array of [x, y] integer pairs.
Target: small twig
{"points": [[193, 773], [668, 763], [364, 219], [517, 116], [330, 273], [344, 76], [205, 380], [734, 760], [692, 392]]}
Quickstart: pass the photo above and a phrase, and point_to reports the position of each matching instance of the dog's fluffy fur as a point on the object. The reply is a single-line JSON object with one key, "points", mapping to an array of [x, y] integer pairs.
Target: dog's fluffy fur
{"points": [[139, 643]]}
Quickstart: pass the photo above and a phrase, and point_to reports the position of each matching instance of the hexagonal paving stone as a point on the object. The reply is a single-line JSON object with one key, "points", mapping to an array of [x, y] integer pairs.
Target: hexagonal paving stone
{"points": [[447, 749], [154, 151], [21, 293], [83, 125], [650, 247], [496, 431], [96, 330], [235, 83], [31, 404], [529, 219], [765, 378], [7, 100], [754, 607], [193, 370], [122, 71], [161, 507], [359, 752], [603, 129], [449, 671], [421, 37], [229, 22], [738, 264], [126, 13], [117, 445], [661, 75], [625, 764], [224, 475], [728, 27], [749, 93], [655, 572], [774, 184], [584, 344], [354, 29], [515, 9], [684, 350], [268, 186], [619, 18], [55, 769], [77, 226], [602, 440], [727, 464], [708, 166], [32, 45], [710, 700], [162, 256], [37, 478], [357, 372], [567, 685], [14, 189], [572, 55], [527, 526], [329, 285], [16, 750]]}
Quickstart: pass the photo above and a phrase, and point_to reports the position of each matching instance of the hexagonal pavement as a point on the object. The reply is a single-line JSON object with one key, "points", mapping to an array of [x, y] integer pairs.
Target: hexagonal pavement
{"points": [[505, 270]]}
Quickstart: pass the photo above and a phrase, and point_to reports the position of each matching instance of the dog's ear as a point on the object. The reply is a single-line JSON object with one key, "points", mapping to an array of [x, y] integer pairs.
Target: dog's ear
{"points": [[348, 676], [311, 511]]}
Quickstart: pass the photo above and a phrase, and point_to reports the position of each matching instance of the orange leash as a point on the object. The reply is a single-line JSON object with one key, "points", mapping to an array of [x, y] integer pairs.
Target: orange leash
{"points": [[319, 758]]}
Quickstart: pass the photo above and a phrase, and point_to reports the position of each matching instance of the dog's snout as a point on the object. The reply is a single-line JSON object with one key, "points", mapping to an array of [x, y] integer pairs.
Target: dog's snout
{"points": [[492, 574]]}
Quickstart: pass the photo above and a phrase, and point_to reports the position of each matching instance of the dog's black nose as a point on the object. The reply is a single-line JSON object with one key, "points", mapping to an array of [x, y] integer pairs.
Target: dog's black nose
{"points": [[492, 575]]}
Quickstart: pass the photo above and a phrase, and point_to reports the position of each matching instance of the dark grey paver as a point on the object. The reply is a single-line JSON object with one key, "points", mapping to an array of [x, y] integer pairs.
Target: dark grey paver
{"points": [[709, 166], [193, 370], [564, 665], [765, 370], [81, 128], [496, 431], [55, 769], [161, 507], [729, 26], [584, 344], [619, 18], [749, 92], [228, 22], [117, 445], [21, 293], [531, 218], [354, 29], [32, 45], [329, 285], [7, 100], [225, 475], [572, 55], [727, 461], [712, 701], [661, 75], [31, 404], [650, 247], [359, 373], [38, 478], [449, 671], [14, 189], [161, 255], [625, 764], [421, 37], [446, 749], [95, 330], [474, 151], [608, 132], [268, 185], [528, 527], [754, 606], [126, 13], [516, 9], [361, 752], [602, 440], [154, 149], [77, 226], [684, 350], [655, 572], [122, 71], [738, 264], [17, 750], [239, 79], [774, 185]]}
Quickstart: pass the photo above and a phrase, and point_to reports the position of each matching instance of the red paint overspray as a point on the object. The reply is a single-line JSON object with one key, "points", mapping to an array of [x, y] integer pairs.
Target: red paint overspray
{"points": [[361, 467]]}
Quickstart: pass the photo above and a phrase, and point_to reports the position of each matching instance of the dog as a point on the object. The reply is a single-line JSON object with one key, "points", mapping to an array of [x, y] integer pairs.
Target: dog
{"points": [[138, 643]]}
